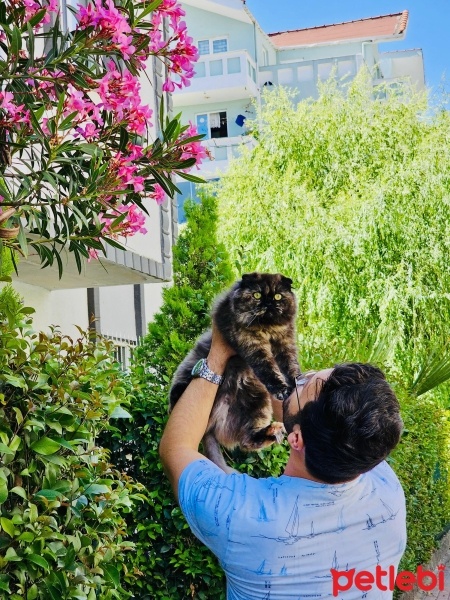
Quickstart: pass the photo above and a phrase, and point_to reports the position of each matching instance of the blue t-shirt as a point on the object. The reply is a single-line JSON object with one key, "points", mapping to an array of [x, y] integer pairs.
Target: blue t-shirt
{"points": [[278, 538]]}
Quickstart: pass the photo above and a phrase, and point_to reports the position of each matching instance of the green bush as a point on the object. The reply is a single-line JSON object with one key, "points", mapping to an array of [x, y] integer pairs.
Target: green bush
{"points": [[171, 562], [62, 504]]}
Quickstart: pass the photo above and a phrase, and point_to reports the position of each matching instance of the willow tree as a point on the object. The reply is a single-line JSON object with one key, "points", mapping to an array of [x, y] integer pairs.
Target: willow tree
{"points": [[350, 196]]}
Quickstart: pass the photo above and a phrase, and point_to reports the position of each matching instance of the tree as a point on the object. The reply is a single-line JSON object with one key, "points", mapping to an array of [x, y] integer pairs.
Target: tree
{"points": [[75, 158], [350, 197], [172, 562]]}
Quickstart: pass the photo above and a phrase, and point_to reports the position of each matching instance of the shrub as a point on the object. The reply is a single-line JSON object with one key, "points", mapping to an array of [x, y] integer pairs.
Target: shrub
{"points": [[171, 561], [62, 504]]}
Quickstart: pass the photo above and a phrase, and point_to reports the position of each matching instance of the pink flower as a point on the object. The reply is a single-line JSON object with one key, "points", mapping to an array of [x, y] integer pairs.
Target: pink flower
{"points": [[134, 222], [193, 149], [158, 194], [168, 85]]}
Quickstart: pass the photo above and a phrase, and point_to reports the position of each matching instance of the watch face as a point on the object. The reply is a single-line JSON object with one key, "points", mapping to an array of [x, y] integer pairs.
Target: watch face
{"points": [[198, 367]]}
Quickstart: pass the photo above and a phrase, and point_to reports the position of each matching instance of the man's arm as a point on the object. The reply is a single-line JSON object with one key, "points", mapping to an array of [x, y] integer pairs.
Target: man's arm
{"points": [[189, 418]]}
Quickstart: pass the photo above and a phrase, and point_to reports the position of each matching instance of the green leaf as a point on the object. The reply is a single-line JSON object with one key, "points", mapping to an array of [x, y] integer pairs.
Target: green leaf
{"points": [[96, 489], [20, 492], [16, 41], [45, 446], [112, 574], [49, 494], [18, 382], [7, 526], [38, 560], [3, 492], [4, 582], [4, 449], [120, 413]]}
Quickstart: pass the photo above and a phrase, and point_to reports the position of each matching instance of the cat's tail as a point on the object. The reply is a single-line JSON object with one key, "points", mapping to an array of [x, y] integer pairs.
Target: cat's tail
{"points": [[211, 448]]}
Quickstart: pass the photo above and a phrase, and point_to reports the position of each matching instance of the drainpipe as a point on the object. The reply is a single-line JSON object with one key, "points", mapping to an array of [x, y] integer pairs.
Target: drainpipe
{"points": [[256, 52]]}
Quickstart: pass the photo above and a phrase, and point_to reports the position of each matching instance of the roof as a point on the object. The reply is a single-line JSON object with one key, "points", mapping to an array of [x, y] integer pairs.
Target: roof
{"points": [[384, 26]]}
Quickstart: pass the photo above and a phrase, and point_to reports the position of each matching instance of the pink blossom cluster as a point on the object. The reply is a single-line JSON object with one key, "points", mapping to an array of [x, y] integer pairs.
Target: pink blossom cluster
{"points": [[120, 93], [13, 113], [193, 149], [180, 52], [117, 93], [108, 22], [133, 223], [32, 8]]}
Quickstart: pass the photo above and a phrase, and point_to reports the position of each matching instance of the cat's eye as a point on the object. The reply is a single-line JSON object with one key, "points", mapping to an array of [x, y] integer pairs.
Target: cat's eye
{"points": [[277, 296], [257, 295]]}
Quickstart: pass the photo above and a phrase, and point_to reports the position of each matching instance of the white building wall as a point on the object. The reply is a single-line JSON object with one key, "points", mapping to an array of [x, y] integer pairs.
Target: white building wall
{"points": [[117, 316], [64, 308]]}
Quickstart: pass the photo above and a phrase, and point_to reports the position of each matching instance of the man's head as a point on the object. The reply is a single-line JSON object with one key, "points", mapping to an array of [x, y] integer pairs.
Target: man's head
{"points": [[349, 421]]}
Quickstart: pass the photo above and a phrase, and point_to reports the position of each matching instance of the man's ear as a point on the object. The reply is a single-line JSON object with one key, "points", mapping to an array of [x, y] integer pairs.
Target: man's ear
{"points": [[295, 439]]}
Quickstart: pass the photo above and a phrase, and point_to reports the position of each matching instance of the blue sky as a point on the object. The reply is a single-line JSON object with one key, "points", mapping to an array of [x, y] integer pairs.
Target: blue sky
{"points": [[428, 27]]}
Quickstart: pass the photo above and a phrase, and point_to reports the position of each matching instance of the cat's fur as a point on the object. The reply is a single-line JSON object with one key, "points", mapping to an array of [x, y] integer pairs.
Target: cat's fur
{"points": [[262, 332]]}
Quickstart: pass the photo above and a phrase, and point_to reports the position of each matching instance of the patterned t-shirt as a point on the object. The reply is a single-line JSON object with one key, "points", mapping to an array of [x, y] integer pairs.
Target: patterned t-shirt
{"points": [[279, 538]]}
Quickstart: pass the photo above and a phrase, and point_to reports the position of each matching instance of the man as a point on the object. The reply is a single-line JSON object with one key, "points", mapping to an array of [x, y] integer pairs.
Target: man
{"points": [[337, 510]]}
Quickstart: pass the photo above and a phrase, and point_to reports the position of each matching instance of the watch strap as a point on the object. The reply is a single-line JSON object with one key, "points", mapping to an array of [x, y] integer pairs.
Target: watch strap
{"points": [[202, 370]]}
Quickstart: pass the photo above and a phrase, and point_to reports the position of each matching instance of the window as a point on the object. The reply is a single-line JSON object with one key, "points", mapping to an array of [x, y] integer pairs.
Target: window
{"points": [[212, 46], [203, 47], [220, 46], [265, 57], [200, 69], [213, 125], [233, 65], [218, 124], [324, 70], [305, 73], [215, 68]]}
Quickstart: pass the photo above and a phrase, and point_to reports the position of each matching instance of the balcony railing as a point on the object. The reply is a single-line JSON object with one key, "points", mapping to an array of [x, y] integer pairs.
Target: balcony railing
{"points": [[221, 76]]}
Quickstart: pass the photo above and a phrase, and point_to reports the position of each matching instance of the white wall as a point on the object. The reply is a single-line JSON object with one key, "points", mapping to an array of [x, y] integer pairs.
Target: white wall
{"points": [[65, 308]]}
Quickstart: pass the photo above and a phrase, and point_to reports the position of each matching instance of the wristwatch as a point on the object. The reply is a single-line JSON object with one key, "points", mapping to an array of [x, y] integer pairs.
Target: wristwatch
{"points": [[202, 370]]}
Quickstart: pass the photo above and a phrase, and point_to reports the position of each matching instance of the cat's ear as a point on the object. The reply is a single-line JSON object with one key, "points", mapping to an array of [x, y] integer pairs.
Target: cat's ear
{"points": [[286, 282], [249, 276]]}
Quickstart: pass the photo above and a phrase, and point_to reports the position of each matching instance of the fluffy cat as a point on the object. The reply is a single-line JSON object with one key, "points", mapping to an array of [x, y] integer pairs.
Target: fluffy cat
{"points": [[256, 317]]}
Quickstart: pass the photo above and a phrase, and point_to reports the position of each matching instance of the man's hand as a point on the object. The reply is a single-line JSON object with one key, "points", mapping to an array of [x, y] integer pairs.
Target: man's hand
{"points": [[189, 418]]}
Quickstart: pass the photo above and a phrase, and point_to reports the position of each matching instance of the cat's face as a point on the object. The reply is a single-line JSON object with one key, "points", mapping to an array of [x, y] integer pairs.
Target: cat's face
{"points": [[264, 299]]}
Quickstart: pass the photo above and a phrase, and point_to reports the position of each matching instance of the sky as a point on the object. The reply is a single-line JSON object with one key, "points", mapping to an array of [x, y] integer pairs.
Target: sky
{"points": [[428, 26]]}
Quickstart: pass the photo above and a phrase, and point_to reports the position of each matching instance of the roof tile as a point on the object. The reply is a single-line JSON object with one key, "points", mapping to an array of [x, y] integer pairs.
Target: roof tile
{"points": [[393, 25]]}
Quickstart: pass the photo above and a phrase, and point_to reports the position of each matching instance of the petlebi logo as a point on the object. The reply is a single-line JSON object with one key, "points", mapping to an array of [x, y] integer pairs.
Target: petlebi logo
{"points": [[387, 579]]}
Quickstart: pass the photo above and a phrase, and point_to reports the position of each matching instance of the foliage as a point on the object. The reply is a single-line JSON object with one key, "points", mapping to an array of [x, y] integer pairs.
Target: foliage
{"points": [[172, 562], [350, 196], [421, 461], [62, 504], [76, 152]]}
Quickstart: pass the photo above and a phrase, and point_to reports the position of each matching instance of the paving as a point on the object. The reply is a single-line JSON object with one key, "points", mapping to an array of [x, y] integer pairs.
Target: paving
{"points": [[441, 558]]}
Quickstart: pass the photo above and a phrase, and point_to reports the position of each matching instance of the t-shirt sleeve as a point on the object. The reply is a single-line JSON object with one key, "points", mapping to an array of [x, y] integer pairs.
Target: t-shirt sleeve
{"points": [[208, 498]]}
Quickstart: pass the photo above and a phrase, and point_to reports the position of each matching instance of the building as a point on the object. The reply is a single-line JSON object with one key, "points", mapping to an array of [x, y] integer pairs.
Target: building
{"points": [[238, 59]]}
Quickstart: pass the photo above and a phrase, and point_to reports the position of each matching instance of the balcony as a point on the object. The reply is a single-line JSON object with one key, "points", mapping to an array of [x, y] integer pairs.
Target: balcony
{"points": [[220, 77], [404, 65]]}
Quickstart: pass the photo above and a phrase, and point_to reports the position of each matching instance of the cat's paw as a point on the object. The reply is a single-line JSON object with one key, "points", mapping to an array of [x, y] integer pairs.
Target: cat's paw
{"points": [[277, 430]]}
